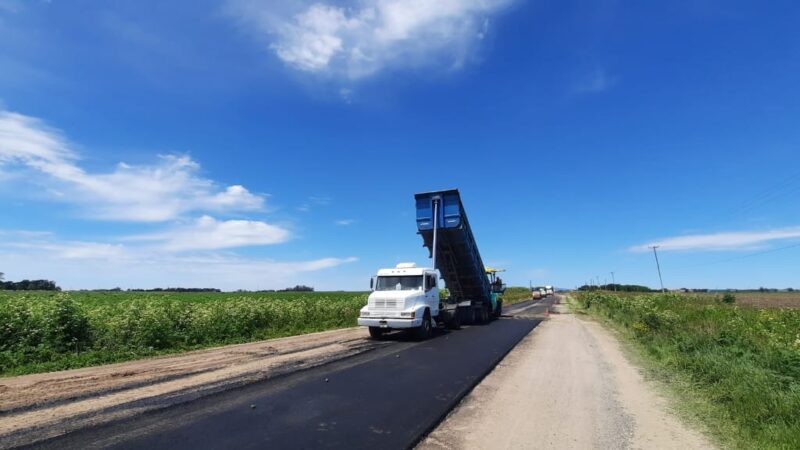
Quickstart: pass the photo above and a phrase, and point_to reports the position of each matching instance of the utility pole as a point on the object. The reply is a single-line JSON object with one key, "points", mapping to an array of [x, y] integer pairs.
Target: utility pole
{"points": [[613, 282], [658, 266]]}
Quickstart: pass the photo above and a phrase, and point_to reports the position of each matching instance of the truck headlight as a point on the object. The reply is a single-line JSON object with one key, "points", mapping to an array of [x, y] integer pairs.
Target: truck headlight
{"points": [[409, 315], [364, 313]]}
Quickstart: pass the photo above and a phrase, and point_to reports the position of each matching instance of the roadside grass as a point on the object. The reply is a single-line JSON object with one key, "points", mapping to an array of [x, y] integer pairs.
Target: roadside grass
{"points": [[46, 331], [735, 368]]}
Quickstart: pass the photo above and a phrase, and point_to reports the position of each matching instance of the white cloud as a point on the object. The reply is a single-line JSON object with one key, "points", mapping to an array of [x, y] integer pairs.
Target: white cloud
{"points": [[367, 36], [31, 240], [740, 240], [596, 81], [208, 233], [148, 193], [345, 222], [77, 265], [75, 249]]}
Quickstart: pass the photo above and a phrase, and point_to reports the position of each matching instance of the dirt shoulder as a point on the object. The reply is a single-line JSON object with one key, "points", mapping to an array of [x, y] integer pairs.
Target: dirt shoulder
{"points": [[40, 406], [567, 385]]}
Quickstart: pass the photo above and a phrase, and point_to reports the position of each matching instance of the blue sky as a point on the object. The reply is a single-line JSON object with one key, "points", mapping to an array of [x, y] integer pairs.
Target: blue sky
{"points": [[240, 144]]}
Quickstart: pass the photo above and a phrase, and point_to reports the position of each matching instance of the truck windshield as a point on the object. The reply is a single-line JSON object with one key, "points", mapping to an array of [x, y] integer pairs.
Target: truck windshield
{"points": [[403, 283]]}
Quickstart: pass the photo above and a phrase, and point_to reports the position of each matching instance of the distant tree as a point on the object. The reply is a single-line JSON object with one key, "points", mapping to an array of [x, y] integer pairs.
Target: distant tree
{"points": [[29, 285], [177, 289], [299, 288], [728, 298], [787, 289], [2, 276]]}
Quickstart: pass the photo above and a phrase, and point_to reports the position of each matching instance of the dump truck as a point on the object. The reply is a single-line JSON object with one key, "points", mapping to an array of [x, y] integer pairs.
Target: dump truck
{"points": [[407, 297]]}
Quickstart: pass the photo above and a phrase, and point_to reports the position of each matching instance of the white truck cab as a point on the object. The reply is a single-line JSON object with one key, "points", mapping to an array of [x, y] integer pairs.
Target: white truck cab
{"points": [[404, 297]]}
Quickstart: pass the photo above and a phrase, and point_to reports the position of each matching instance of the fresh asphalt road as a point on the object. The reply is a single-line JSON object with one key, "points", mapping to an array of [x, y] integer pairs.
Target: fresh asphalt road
{"points": [[387, 398]]}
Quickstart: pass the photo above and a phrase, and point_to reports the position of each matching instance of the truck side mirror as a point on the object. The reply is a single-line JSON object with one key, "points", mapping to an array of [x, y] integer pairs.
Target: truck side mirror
{"points": [[371, 282]]}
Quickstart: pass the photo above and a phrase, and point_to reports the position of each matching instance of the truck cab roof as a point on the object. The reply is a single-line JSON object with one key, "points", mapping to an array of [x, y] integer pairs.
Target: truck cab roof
{"points": [[405, 269]]}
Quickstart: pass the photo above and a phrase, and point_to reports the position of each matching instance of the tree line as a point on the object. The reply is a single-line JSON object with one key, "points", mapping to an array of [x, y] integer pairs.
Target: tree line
{"points": [[48, 285], [27, 285], [170, 289], [616, 287]]}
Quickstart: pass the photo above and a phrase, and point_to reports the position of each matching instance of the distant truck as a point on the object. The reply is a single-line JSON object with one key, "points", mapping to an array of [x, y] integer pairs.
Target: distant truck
{"points": [[407, 297], [549, 290]]}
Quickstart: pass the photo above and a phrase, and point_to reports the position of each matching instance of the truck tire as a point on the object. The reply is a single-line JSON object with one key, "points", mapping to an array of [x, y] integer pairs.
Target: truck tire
{"points": [[470, 316], [455, 322], [375, 332], [423, 331], [480, 315]]}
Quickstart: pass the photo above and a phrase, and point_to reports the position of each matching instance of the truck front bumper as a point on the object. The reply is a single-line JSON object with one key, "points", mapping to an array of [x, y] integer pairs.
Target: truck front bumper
{"points": [[389, 322]]}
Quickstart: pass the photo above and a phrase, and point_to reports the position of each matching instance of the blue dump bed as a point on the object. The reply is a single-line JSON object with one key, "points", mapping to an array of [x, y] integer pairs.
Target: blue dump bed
{"points": [[457, 256]]}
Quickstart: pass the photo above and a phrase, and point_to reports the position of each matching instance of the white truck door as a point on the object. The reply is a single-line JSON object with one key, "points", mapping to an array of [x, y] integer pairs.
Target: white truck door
{"points": [[432, 293]]}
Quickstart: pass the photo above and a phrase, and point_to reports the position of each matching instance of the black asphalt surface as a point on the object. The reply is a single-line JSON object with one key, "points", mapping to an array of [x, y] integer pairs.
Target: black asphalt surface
{"points": [[389, 398]]}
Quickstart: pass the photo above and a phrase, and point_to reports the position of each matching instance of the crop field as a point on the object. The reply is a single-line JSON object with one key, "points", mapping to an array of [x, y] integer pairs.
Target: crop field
{"points": [[516, 295], [737, 368], [44, 331], [767, 299]]}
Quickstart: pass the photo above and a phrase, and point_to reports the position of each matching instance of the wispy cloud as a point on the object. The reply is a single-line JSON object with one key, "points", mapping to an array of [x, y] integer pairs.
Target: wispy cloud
{"points": [[738, 240], [135, 263], [162, 191], [73, 249], [596, 81], [314, 200], [345, 222], [207, 233], [360, 38]]}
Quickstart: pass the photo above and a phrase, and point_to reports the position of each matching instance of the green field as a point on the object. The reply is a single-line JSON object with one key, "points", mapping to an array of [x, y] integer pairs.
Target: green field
{"points": [[44, 331], [515, 295], [736, 368]]}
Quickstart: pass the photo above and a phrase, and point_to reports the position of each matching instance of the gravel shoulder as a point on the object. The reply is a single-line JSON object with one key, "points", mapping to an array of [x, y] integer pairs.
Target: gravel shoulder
{"points": [[566, 385]]}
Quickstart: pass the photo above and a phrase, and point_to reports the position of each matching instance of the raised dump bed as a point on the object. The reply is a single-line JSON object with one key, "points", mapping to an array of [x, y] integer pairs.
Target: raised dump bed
{"points": [[456, 254]]}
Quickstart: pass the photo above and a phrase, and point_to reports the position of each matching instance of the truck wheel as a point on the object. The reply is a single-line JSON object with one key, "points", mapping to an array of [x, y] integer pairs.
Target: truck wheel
{"points": [[375, 332], [455, 323], [424, 331], [471, 316], [480, 316], [485, 315]]}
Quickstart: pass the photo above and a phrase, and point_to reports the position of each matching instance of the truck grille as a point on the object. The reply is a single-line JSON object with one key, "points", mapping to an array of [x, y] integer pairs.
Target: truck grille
{"points": [[385, 305]]}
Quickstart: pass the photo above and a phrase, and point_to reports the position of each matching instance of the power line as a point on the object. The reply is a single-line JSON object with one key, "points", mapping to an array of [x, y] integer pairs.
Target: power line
{"points": [[749, 255], [765, 196]]}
